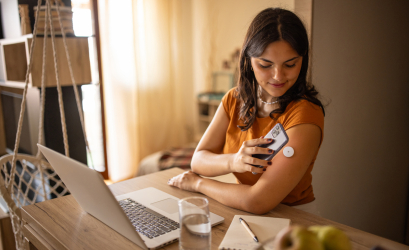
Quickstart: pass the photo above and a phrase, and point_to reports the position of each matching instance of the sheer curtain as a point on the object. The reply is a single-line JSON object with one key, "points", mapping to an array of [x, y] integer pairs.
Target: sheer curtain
{"points": [[147, 71]]}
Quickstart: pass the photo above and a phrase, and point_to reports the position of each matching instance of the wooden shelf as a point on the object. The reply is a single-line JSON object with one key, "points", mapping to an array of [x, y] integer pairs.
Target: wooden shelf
{"points": [[15, 58], [205, 118], [12, 84], [210, 102], [207, 110]]}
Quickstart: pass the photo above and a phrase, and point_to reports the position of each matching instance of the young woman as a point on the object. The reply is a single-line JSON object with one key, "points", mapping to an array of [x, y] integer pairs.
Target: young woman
{"points": [[272, 88]]}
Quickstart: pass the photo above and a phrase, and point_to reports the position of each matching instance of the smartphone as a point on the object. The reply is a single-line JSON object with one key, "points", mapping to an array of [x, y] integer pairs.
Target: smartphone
{"points": [[278, 134]]}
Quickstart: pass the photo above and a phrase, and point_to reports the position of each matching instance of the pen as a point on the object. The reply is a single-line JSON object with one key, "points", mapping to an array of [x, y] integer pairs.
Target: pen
{"points": [[247, 227]]}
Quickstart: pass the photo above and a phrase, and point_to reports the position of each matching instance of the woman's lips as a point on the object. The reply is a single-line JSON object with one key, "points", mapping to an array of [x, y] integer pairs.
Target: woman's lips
{"points": [[278, 85]]}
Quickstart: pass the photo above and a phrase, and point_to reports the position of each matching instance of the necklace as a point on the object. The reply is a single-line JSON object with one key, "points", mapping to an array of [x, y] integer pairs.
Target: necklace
{"points": [[259, 96], [266, 102]]}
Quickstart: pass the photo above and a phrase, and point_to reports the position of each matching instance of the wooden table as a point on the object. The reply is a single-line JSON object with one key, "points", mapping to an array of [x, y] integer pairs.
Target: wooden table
{"points": [[62, 224]]}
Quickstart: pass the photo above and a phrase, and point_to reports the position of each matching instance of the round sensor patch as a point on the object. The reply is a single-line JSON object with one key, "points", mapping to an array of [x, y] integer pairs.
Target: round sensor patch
{"points": [[288, 151]]}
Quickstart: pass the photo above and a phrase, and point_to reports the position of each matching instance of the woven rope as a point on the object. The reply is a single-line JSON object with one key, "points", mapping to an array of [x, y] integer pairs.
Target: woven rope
{"points": [[43, 76], [57, 78], [29, 188], [74, 83], [23, 103]]}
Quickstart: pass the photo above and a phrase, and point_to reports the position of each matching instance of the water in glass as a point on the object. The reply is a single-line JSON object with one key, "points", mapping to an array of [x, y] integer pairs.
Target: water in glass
{"points": [[195, 232]]}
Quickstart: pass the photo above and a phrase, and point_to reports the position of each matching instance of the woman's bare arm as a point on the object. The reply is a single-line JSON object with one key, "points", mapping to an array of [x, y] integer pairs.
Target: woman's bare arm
{"points": [[208, 159], [272, 187]]}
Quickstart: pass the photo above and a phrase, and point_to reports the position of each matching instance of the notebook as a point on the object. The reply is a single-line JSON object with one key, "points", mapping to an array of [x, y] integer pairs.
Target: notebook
{"points": [[264, 228]]}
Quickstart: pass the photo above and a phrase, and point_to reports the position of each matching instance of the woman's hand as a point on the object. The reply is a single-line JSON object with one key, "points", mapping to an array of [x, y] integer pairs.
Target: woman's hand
{"points": [[187, 181], [243, 160]]}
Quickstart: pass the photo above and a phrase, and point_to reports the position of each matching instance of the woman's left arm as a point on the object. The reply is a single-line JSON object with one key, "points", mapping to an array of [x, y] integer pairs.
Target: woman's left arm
{"points": [[273, 186]]}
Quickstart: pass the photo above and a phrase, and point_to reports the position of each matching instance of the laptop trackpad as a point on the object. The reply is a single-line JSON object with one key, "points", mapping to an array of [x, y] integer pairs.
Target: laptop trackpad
{"points": [[168, 205]]}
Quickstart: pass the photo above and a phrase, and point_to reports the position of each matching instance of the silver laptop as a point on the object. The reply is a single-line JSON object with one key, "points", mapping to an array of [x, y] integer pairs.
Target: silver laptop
{"points": [[147, 217]]}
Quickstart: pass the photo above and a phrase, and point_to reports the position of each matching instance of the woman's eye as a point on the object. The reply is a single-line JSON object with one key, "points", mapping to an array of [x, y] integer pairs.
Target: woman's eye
{"points": [[264, 66], [290, 66]]}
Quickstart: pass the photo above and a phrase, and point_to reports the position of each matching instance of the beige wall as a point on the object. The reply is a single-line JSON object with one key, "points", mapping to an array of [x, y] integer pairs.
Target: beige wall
{"points": [[360, 63], [219, 27], [230, 20]]}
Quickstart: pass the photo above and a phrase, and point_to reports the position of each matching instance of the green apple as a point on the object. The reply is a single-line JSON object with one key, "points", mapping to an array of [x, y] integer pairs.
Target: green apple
{"points": [[297, 238], [331, 237]]}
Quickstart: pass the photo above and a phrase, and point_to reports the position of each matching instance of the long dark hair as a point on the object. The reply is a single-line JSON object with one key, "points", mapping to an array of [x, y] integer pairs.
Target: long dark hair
{"points": [[270, 25]]}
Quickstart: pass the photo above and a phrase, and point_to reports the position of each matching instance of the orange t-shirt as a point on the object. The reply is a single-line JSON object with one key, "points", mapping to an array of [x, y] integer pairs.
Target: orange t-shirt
{"points": [[297, 112]]}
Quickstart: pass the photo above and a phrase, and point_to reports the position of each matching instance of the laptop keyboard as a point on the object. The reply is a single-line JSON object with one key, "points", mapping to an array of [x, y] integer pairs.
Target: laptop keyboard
{"points": [[146, 221]]}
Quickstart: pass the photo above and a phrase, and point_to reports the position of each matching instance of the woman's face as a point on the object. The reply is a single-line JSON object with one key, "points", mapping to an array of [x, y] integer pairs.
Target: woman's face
{"points": [[277, 69]]}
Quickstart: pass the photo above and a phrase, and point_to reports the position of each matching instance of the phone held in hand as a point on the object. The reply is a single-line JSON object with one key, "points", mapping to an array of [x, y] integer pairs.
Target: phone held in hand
{"points": [[278, 134]]}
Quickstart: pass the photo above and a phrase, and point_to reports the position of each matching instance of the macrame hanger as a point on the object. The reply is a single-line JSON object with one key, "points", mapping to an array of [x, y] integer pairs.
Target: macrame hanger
{"points": [[57, 78], [60, 98], [41, 120], [23, 103], [77, 98], [11, 185], [43, 75], [74, 84]]}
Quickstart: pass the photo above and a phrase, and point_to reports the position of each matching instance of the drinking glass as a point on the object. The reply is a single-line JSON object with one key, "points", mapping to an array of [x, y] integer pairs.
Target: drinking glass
{"points": [[195, 227]]}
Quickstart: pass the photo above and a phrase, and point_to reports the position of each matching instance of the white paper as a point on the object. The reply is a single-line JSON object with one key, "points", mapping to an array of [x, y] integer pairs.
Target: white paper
{"points": [[264, 228]]}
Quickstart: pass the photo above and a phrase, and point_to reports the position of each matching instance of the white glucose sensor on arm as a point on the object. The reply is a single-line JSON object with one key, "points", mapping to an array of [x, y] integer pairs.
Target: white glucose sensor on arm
{"points": [[288, 151]]}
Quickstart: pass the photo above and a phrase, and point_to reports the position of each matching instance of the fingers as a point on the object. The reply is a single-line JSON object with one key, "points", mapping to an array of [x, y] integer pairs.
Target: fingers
{"points": [[247, 157], [266, 140], [256, 142], [176, 180], [256, 169], [257, 151], [170, 181], [252, 161], [186, 181]]}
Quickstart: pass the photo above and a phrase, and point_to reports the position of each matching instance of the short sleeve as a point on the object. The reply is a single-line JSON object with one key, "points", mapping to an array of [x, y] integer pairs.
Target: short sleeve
{"points": [[303, 112], [229, 103]]}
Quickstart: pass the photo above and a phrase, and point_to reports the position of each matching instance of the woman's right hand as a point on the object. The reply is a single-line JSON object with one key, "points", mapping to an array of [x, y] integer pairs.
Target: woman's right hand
{"points": [[243, 160]]}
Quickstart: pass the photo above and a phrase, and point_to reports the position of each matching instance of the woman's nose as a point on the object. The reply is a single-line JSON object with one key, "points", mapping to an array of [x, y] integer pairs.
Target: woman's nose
{"points": [[278, 74]]}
